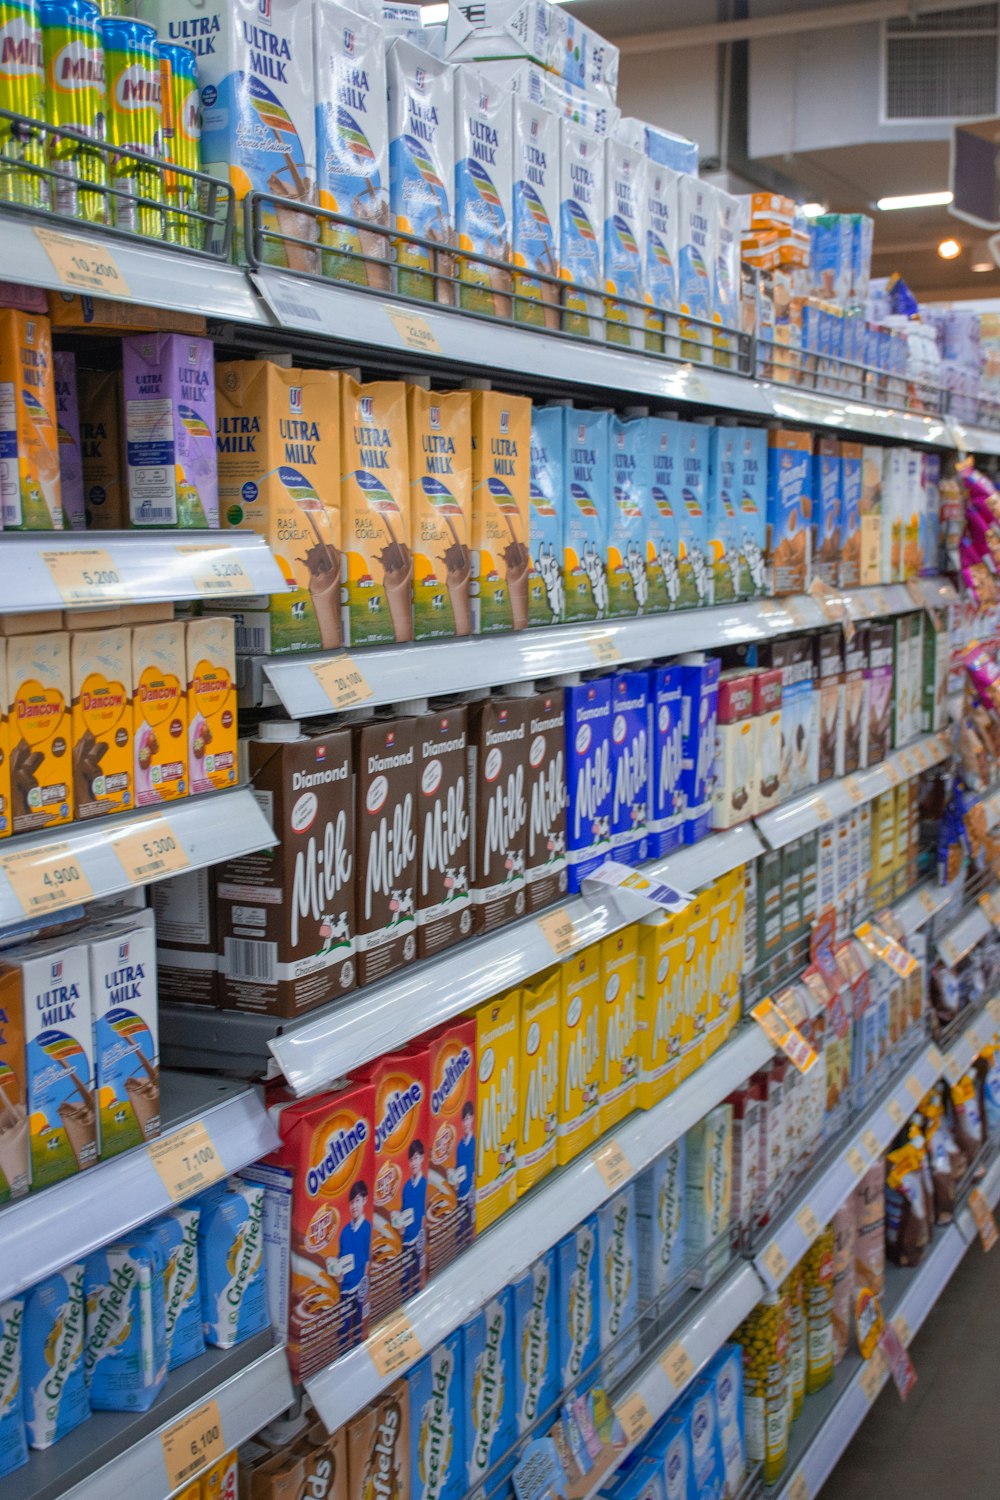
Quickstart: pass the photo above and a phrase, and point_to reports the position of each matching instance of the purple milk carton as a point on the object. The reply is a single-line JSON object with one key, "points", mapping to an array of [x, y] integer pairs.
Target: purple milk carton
{"points": [[630, 767], [68, 431], [169, 392], [699, 713], [588, 777], [666, 795]]}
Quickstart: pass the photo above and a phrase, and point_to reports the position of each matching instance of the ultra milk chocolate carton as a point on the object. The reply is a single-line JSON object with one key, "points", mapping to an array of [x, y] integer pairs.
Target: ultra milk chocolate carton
{"points": [[440, 435], [498, 809], [30, 492], [546, 863], [59, 1043], [589, 779], [385, 841], [40, 731], [375, 512], [444, 913]]}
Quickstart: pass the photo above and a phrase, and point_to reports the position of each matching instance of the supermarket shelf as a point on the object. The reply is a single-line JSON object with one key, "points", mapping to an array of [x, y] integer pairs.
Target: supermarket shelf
{"points": [[973, 439], [962, 937], [829, 1185], [45, 1231], [428, 668], [208, 828], [505, 1251], [148, 567], [833, 798], [118, 1453], [974, 1036], [990, 1189], [925, 903]]}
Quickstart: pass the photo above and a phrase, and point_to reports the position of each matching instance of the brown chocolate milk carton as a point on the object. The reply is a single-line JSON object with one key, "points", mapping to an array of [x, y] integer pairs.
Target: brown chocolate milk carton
{"points": [[385, 761], [498, 808], [545, 860], [286, 915], [444, 907]]}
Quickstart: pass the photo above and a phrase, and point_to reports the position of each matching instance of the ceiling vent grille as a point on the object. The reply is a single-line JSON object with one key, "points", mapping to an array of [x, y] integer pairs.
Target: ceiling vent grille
{"points": [[942, 66]]}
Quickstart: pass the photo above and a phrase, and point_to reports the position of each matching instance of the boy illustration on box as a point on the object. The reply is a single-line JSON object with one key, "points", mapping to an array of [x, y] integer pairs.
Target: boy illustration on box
{"points": [[465, 1174], [353, 1254], [414, 1205]]}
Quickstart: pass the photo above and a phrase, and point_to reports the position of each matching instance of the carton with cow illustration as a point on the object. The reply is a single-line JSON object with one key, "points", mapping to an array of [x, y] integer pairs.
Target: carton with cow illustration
{"points": [[498, 810], [385, 842], [546, 867], [720, 515], [588, 777], [627, 586], [630, 760], [579, 1113], [440, 439], [444, 902], [585, 526], [751, 507], [690, 506], [655, 440], [547, 503], [498, 1056]]}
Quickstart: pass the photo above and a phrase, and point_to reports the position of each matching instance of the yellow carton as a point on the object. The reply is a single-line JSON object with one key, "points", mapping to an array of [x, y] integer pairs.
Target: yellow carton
{"points": [[30, 491], [694, 988], [579, 1053], [159, 706], [538, 1079], [101, 684], [221, 1481], [211, 702], [619, 1038], [102, 438], [41, 763], [440, 429], [375, 512], [501, 470], [498, 1054], [5, 745], [659, 1008]]}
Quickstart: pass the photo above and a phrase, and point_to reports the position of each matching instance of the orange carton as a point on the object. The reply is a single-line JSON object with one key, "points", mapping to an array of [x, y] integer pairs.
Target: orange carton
{"points": [[30, 489], [38, 680], [101, 682], [5, 732], [498, 1050], [221, 1481], [13, 1088], [579, 1054], [401, 1082], [619, 1034], [211, 702], [159, 698], [451, 1179], [378, 1447], [539, 1079]]}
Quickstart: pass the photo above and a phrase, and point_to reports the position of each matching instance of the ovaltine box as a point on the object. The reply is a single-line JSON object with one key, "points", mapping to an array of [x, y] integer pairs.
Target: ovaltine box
{"points": [[328, 1147], [498, 810], [451, 1176], [538, 1079], [286, 915], [665, 745], [444, 911], [658, 1006], [385, 842], [13, 1088], [545, 868], [378, 1445], [579, 1053], [159, 706], [402, 1121], [211, 694], [588, 777], [619, 1038], [38, 680], [855, 702], [830, 655], [735, 750], [789, 495], [767, 691], [630, 767], [101, 683], [498, 1053]]}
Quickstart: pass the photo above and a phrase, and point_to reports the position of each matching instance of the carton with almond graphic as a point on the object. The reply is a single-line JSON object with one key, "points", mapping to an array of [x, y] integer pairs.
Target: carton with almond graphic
{"points": [[789, 510]]}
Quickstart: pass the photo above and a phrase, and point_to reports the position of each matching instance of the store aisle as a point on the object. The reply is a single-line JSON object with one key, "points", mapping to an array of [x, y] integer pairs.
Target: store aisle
{"points": [[945, 1440]]}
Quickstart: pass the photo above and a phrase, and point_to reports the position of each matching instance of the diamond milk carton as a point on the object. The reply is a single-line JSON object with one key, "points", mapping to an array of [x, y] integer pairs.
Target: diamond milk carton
{"points": [[536, 169]]}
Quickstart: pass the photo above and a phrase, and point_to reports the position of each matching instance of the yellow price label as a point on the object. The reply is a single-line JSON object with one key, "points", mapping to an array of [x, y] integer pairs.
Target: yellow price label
{"points": [[856, 1161], [415, 331], [891, 774], [952, 1071], [192, 1443], [896, 1113], [808, 1223], [150, 851], [634, 1415], [799, 1487], [908, 764], [985, 1221], [927, 901], [82, 266], [45, 877], [914, 1088], [872, 1376], [677, 1364], [951, 952], [393, 1345], [822, 810], [613, 1165], [85, 575], [342, 680], [605, 650], [936, 1058], [216, 570], [559, 930], [991, 906], [775, 1263], [902, 1327], [853, 789], [186, 1160]]}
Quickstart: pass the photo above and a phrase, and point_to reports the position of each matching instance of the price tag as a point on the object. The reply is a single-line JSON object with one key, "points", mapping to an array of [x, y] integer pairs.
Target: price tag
{"points": [[45, 878], [872, 1376], [85, 575], [799, 1487], [822, 810], [994, 1009], [952, 1071], [216, 570], [808, 1223], [186, 1160], [192, 1443], [635, 1417], [415, 331], [775, 1264], [974, 1040], [985, 1220], [870, 1141], [908, 764], [149, 852], [342, 681], [613, 1165], [891, 774], [950, 952], [902, 1327], [856, 1162], [936, 1059], [605, 650], [559, 930], [896, 1113], [927, 901], [853, 789], [991, 906], [915, 1088], [677, 1365], [84, 267], [778, 1031], [393, 1345]]}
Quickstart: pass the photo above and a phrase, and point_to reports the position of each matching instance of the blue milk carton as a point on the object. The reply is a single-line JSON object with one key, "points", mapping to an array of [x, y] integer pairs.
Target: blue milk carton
{"points": [[627, 590], [55, 1389], [581, 214], [671, 1443], [125, 1344], [624, 221], [585, 525], [699, 714], [488, 1387], [547, 498], [231, 1264], [536, 1341], [666, 796], [578, 1284], [630, 804], [588, 777], [13, 1442], [660, 266], [437, 1434], [642, 1482], [692, 474], [696, 223], [726, 1375], [661, 484], [751, 506], [720, 515], [618, 1247], [707, 1467], [929, 528], [178, 1237], [660, 1198]]}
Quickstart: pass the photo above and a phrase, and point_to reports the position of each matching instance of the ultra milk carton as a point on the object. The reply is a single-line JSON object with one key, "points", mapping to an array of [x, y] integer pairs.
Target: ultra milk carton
{"points": [[483, 186], [421, 94], [581, 211], [660, 265], [751, 505], [723, 534], [547, 498], [624, 213], [125, 1016], [585, 526], [627, 521], [588, 778], [691, 476], [695, 255], [536, 212], [59, 1038], [657, 443]]}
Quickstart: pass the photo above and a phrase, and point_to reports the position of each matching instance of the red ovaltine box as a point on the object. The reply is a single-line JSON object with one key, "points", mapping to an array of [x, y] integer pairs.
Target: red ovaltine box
{"points": [[767, 690], [736, 747], [451, 1177], [401, 1081]]}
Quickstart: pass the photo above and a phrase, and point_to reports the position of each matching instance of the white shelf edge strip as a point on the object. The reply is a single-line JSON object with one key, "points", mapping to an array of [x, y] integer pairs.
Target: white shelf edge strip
{"points": [[506, 1250], [382, 1017], [976, 1034], [990, 1189], [210, 827], [959, 940], [920, 905]]}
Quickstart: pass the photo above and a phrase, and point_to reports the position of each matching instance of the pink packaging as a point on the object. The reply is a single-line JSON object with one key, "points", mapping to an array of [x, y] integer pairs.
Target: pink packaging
{"points": [[27, 298], [169, 392], [70, 452]]}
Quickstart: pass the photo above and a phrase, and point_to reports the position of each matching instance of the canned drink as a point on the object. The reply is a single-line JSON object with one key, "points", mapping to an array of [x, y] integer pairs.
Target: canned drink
{"points": [[181, 140], [134, 120], [74, 87], [22, 92]]}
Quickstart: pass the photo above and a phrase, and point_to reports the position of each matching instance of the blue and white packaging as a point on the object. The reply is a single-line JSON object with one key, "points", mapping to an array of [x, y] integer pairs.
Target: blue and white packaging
{"points": [[624, 217], [660, 266], [536, 1341], [721, 518], [55, 1390], [672, 1443], [483, 189], [699, 714], [585, 522], [657, 441], [726, 1375], [125, 1343], [588, 777], [630, 804], [578, 1282], [488, 1386], [545, 514], [618, 1241], [660, 1209], [751, 505], [726, 277], [177, 1232], [421, 110], [13, 1442], [671, 150], [696, 216], [929, 524], [627, 584], [666, 821], [231, 1264], [581, 216], [643, 1481], [692, 476], [536, 210], [437, 1435], [707, 1467]]}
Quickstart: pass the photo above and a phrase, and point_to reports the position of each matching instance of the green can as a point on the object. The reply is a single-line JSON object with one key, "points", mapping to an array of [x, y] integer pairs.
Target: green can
{"points": [[74, 97], [22, 91], [181, 141], [134, 121]]}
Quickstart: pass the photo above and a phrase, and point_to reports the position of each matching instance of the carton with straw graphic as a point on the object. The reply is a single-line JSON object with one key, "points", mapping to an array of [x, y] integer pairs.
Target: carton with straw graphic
{"points": [[375, 507], [123, 997], [13, 1092], [501, 482], [62, 1112]]}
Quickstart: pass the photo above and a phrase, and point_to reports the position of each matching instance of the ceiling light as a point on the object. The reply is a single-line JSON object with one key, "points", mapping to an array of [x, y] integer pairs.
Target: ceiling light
{"points": [[914, 200], [983, 265], [813, 210], [948, 249]]}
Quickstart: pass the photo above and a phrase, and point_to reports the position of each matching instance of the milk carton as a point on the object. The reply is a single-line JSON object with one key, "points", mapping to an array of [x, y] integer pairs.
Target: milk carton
{"points": [[696, 226], [545, 868], [588, 777], [30, 494], [751, 506], [585, 527], [690, 473], [658, 445], [101, 444], [70, 452], [159, 700], [660, 262], [177, 1234], [546, 596], [627, 521], [624, 216], [580, 1053], [490, 1411], [169, 389], [442, 828], [352, 143], [375, 512], [123, 1002], [619, 1285], [536, 200], [39, 725], [666, 796], [581, 212], [619, 1028], [789, 509], [929, 538], [103, 752], [439, 425], [722, 518], [578, 1270], [659, 1006], [498, 1051], [660, 1225], [125, 1345], [709, 1190], [536, 1352], [385, 872], [851, 470], [421, 166], [211, 703], [402, 1123], [501, 483], [53, 1382], [451, 1188], [726, 278], [14, 1129], [13, 1443], [483, 186], [827, 513], [895, 468], [699, 708], [630, 761], [59, 1038], [437, 1434], [231, 1265]]}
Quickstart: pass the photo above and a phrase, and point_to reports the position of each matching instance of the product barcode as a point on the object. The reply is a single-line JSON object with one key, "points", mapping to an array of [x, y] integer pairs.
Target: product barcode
{"points": [[290, 309], [149, 513], [246, 959], [250, 639]]}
